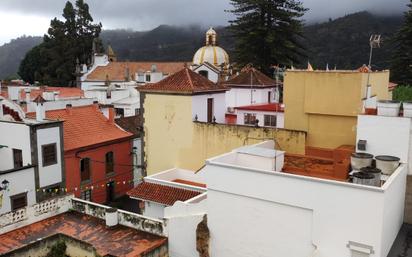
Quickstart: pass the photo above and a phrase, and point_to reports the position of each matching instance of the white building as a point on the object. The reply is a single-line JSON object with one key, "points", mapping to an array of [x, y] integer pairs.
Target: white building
{"points": [[159, 191], [263, 115], [250, 87], [294, 215], [31, 154], [208, 71]]}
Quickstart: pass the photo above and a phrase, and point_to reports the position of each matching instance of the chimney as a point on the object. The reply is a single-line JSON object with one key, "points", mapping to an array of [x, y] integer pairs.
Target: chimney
{"points": [[40, 109], [69, 108], [111, 114], [27, 91], [111, 217]]}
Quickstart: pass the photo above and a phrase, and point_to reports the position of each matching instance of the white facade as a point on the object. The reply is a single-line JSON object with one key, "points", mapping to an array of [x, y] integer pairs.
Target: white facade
{"points": [[260, 115], [254, 211], [61, 104], [200, 105], [14, 92], [237, 96], [30, 175], [208, 72], [153, 210]]}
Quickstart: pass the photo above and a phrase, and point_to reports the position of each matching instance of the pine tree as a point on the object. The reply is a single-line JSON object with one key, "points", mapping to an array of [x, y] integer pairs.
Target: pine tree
{"points": [[267, 32], [66, 42], [401, 69]]}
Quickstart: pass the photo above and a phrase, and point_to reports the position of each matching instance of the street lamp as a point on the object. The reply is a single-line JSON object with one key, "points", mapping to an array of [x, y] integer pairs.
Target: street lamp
{"points": [[4, 185]]}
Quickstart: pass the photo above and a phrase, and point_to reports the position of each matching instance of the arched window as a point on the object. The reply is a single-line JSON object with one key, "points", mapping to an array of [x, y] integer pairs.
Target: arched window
{"points": [[204, 73], [109, 162]]}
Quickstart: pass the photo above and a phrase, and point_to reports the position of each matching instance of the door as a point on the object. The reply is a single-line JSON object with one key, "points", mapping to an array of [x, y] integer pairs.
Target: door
{"points": [[269, 96], [209, 109], [110, 191]]}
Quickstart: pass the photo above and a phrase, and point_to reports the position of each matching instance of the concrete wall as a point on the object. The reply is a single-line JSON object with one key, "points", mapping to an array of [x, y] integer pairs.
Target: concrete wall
{"points": [[153, 210], [14, 135], [21, 181], [318, 102], [52, 174], [182, 221], [242, 96], [172, 139], [199, 107], [289, 215]]}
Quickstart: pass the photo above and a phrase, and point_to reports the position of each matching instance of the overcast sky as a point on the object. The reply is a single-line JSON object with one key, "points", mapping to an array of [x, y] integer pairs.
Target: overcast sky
{"points": [[32, 17]]}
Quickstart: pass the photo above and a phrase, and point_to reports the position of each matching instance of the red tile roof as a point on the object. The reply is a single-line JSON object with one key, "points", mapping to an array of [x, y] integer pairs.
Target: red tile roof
{"points": [[64, 92], [116, 241], [250, 76], [86, 126], [116, 70], [162, 194], [392, 86], [272, 107], [185, 81]]}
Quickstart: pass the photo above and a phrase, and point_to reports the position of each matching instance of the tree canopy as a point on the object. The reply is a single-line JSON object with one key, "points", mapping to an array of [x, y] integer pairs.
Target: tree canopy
{"points": [[67, 42], [267, 32], [402, 60]]}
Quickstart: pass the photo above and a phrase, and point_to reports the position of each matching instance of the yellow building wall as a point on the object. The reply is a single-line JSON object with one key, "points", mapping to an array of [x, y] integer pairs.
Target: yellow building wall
{"points": [[326, 104], [172, 139]]}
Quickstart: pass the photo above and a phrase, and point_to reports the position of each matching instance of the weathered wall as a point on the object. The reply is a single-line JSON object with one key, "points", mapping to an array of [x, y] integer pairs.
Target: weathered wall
{"points": [[172, 139], [325, 104]]}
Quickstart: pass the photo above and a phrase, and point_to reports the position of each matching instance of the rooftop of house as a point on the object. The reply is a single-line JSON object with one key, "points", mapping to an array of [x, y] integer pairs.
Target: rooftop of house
{"points": [[115, 71], [114, 241], [86, 126], [270, 107], [132, 124], [63, 92], [250, 76], [163, 194], [185, 82]]}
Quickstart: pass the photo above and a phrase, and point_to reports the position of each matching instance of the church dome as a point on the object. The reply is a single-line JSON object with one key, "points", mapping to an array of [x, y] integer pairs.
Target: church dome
{"points": [[211, 53]]}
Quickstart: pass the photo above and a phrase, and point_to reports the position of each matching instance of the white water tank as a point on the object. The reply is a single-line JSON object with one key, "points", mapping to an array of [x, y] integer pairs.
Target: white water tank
{"points": [[112, 218]]}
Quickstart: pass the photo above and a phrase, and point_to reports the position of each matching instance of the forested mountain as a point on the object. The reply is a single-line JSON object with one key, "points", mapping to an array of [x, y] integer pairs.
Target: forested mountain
{"points": [[12, 53], [342, 42]]}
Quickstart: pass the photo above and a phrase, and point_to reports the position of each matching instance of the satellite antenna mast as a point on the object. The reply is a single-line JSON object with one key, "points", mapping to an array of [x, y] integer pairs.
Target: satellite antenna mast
{"points": [[374, 42]]}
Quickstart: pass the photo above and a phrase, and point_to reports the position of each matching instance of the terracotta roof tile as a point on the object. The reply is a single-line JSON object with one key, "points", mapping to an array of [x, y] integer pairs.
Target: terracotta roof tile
{"points": [[162, 194], [185, 81], [85, 126], [131, 124], [116, 70], [116, 241], [272, 107], [244, 79]]}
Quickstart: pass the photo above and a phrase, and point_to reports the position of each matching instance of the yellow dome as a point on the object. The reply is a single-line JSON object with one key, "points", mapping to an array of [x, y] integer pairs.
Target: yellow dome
{"points": [[211, 53]]}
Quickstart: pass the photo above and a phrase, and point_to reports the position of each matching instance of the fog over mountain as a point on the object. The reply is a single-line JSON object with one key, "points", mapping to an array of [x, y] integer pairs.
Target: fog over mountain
{"points": [[32, 17]]}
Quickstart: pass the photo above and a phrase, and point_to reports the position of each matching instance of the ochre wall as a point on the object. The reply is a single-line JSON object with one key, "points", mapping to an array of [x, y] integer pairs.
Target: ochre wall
{"points": [[326, 104], [172, 139]]}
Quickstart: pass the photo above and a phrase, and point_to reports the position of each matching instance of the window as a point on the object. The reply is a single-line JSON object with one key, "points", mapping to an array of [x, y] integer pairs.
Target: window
{"points": [[270, 120], [108, 94], [250, 119], [85, 169], [86, 195], [17, 158], [119, 112], [109, 162], [18, 201], [137, 111], [204, 73], [49, 154], [148, 77]]}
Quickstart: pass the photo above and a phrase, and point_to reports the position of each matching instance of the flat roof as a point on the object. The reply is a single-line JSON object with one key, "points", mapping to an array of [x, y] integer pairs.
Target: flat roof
{"points": [[114, 241]]}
